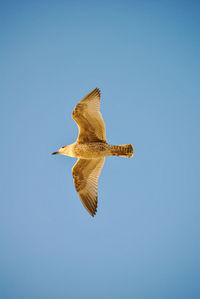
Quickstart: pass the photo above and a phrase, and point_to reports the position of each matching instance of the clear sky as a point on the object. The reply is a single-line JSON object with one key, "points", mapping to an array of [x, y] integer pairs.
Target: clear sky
{"points": [[144, 241]]}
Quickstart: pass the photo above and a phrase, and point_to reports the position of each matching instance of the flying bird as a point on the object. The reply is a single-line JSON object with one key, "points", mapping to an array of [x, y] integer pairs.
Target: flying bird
{"points": [[90, 148]]}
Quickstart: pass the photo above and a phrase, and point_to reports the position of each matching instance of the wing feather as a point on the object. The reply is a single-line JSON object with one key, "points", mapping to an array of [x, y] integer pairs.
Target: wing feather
{"points": [[88, 117], [86, 173]]}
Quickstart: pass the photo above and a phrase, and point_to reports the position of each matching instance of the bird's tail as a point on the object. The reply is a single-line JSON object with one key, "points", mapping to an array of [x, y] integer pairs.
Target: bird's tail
{"points": [[125, 150]]}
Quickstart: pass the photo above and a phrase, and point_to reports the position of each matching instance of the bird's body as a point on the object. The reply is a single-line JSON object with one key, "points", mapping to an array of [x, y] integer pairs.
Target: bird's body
{"points": [[94, 150], [91, 148]]}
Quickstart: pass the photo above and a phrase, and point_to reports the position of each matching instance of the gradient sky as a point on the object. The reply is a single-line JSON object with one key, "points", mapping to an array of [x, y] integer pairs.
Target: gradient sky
{"points": [[144, 241]]}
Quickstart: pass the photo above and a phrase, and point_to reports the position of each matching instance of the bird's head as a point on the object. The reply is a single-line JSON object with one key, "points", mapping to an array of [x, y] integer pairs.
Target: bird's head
{"points": [[64, 150]]}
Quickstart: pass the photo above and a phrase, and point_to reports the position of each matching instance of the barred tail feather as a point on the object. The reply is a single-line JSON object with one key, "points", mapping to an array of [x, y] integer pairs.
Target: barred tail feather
{"points": [[125, 150]]}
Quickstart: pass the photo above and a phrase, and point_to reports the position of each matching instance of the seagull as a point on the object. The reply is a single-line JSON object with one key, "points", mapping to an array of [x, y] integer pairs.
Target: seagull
{"points": [[90, 148]]}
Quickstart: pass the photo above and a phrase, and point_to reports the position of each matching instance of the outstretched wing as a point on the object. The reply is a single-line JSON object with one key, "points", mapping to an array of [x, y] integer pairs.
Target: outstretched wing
{"points": [[88, 117], [86, 173]]}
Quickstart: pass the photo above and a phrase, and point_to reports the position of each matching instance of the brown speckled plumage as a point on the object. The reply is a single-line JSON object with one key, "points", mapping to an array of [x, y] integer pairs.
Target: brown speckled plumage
{"points": [[91, 148]]}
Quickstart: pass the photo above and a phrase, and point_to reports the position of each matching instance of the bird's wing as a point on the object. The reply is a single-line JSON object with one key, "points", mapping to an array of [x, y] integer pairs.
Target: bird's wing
{"points": [[86, 173], [88, 117]]}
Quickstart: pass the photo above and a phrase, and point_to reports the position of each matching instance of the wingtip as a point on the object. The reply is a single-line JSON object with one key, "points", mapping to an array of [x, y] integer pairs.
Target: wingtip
{"points": [[92, 213], [98, 90]]}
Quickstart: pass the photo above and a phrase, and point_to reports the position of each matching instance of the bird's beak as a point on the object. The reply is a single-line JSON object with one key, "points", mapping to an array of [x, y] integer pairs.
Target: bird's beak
{"points": [[54, 153]]}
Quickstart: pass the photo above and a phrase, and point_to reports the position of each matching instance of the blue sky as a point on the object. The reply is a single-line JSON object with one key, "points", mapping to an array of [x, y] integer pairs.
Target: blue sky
{"points": [[144, 241]]}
